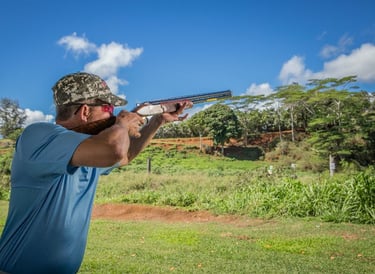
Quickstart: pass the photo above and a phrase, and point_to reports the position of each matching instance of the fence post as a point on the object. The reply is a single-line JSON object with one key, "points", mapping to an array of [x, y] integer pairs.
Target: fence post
{"points": [[332, 165], [149, 165]]}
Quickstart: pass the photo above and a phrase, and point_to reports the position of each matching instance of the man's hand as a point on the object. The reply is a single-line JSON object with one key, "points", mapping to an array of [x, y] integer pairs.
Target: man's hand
{"points": [[132, 121], [175, 116]]}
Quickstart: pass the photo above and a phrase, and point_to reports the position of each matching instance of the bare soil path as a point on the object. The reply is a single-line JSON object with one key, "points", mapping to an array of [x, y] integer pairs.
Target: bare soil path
{"points": [[166, 214]]}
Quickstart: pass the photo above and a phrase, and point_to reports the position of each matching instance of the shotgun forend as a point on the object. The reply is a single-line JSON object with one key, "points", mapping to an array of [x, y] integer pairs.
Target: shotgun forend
{"points": [[150, 108]]}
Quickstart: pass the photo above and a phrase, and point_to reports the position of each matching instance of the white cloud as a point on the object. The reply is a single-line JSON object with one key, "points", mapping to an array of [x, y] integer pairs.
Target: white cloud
{"points": [[114, 82], [110, 58], [262, 89], [359, 62], [329, 51], [77, 44], [34, 116], [294, 70]]}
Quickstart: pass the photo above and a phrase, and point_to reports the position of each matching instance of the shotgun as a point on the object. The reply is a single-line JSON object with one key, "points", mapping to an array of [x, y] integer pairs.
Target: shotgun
{"points": [[150, 108]]}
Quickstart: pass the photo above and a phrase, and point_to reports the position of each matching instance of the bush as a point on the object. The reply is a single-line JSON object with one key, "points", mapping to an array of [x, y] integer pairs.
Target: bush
{"points": [[287, 153], [346, 199], [5, 166]]}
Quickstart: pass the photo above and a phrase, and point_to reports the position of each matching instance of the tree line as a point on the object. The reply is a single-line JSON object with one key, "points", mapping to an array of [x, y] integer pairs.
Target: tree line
{"points": [[336, 116]]}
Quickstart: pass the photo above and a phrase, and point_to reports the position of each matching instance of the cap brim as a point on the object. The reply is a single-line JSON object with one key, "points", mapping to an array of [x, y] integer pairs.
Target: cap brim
{"points": [[113, 100]]}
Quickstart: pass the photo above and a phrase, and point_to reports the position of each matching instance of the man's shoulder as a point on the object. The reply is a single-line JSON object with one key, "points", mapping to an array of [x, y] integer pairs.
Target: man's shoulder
{"points": [[40, 131], [40, 126], [43, 127], [46, 141]]}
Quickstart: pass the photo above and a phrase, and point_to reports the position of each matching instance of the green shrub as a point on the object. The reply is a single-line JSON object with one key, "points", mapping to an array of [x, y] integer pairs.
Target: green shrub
{"points": [[337, 199], [5, 166]]}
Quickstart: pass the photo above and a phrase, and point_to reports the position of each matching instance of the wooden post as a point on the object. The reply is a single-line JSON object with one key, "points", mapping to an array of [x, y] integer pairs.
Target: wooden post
{"points": [[332, 165], [200, 142], [149, 165]]}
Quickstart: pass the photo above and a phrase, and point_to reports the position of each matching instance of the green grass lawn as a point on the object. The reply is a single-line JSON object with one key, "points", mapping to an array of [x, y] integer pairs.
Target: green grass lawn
{"points": [[282, 246], [266, 246]]}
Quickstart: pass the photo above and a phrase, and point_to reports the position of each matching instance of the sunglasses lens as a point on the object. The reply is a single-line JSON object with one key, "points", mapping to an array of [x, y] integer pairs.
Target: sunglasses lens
{"points": [[108, 108]]}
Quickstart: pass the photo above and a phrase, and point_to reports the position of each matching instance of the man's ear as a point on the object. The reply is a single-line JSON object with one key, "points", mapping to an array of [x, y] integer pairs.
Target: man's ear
{"points": [[84, 113]]}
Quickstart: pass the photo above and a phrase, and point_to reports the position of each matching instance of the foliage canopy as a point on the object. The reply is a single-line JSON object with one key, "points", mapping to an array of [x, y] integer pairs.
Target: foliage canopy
{"points": [[12, 118]]}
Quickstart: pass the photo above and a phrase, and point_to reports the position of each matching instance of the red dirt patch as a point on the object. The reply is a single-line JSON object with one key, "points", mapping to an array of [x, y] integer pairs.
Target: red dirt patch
{"points": [[193, 141], [166, 214]]}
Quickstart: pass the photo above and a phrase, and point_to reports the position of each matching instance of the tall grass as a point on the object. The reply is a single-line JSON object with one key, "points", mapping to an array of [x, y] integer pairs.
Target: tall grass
{"points": [[332, 199], [247, 190]]}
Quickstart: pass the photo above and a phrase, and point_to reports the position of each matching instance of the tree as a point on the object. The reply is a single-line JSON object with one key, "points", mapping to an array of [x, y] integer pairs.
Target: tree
{"points": [[219, 121], [337, 127], [12, 118], [360, 117], [245, 107], [174, 130], [198, 125], [293, 99]]}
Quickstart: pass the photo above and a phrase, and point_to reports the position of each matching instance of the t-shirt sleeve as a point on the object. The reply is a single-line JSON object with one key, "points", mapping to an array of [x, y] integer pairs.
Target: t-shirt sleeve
{"points": [[48, 148], [107, 170]]}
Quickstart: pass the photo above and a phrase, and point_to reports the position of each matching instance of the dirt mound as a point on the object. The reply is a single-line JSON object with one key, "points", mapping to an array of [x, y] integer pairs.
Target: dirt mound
{"points": [[165, 214]]}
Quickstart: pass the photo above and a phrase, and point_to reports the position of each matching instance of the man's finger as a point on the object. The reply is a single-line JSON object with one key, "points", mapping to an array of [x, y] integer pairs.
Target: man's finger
{"points": [[181, 118]]}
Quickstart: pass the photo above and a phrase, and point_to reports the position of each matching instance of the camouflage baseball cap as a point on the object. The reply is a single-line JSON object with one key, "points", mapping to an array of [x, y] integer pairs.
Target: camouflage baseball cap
{"points": [[81, 86]]}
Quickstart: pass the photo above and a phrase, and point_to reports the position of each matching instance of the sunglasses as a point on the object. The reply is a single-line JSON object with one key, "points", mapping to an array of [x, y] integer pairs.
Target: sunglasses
{"points": [[105, 107]]}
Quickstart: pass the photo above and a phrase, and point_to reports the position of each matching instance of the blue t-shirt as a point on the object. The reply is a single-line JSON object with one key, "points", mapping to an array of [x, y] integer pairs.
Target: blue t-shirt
{"points": [[50, 203]]}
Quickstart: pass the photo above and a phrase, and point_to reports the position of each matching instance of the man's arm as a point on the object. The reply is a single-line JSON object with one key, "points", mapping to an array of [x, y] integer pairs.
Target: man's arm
{"points": [[102, 150], [123, 141], [111, 145], [148, 131]]}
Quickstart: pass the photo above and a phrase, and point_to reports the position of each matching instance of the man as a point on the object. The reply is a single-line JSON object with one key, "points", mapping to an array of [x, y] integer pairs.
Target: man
{"points": [[55, 172]]}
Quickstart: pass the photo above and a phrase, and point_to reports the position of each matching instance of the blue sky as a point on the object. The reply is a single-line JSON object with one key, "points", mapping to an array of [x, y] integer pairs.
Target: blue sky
{"points": [[152, 49]]}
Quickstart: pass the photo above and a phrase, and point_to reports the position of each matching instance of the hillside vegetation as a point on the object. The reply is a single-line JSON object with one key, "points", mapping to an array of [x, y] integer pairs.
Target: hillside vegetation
{"points": [[290, 181], [183, 178]]}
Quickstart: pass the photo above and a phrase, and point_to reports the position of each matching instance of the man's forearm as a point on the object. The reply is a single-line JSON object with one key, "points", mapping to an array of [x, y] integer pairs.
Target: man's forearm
{"points": [[147, 133]]}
